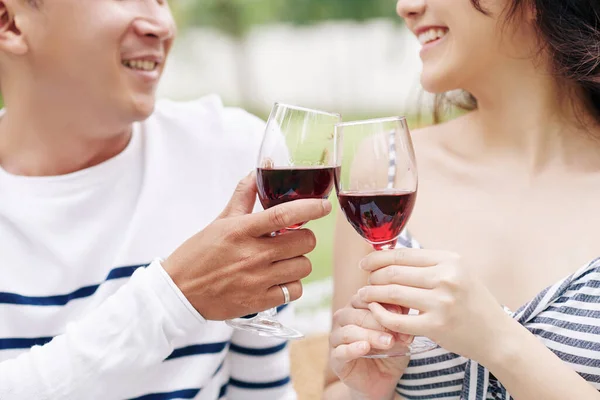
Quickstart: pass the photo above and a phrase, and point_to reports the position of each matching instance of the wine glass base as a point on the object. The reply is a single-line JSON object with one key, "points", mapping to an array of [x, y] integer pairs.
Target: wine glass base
{"points": [[419, 345], [265, 327]]}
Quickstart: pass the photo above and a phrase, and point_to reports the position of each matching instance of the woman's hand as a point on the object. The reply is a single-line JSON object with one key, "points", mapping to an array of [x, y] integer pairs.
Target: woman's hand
{"points": [[455, 309], [355, 332]]}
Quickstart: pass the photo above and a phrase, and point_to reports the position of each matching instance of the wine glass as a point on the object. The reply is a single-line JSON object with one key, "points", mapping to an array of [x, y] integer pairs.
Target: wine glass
{"points": [[376, 186], [295, 162]]}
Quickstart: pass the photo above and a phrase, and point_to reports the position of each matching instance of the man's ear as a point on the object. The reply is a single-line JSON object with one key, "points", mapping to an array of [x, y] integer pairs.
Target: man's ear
{"points": [[11, 37]]}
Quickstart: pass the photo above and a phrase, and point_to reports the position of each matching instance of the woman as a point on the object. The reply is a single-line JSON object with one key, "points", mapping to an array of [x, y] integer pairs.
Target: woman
{"points": [[509, 190]]}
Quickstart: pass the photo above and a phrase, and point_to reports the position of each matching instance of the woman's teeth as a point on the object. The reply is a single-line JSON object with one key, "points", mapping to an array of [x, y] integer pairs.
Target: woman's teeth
{"points": [[140, 65], [431, 35]]}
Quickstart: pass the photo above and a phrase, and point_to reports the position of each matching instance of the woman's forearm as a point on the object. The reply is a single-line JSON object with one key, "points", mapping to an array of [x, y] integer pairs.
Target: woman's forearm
{"points": [[530, 371], [338, 391]]}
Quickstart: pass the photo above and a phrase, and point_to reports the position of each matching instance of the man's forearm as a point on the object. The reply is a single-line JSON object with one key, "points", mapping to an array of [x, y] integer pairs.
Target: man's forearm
{"points": [[130, 331]]}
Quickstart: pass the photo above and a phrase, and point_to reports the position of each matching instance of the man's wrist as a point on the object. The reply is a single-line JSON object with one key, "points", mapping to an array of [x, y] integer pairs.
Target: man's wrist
{"points": [[174, 299]]}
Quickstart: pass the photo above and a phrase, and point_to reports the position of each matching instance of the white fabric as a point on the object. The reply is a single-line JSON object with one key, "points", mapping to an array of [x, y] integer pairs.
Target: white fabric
{"points": [[68, 249]]}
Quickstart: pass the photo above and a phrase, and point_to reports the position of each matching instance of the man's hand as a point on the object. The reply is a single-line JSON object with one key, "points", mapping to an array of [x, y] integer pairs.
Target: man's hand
{"points": [[233, 267]]}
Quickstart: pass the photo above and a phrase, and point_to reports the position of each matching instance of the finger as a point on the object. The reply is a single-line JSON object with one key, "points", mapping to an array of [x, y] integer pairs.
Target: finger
{"points": [[351, 333], [393, 308], [401, 323], [276, 297], [403, 275], [287, 214], [289, 244], [396, 294], [360, 318], [408, 257], [290, 270], [357, 303], [350, 352], [243, 199]]}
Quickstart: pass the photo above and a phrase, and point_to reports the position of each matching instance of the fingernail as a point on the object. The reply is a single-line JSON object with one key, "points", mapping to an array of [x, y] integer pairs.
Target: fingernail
{"points": [[385, 340], [361, 346], [362, 293], [408, 339], [327, 205], [362, 264]]}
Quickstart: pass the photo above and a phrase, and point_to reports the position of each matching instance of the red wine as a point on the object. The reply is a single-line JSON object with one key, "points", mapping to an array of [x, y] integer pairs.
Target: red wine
{"points": [[280, 185], [378, 216]]}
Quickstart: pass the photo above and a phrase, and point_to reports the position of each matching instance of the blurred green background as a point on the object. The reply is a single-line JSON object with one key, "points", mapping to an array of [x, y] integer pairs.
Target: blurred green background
{"points": [[238, 17]]}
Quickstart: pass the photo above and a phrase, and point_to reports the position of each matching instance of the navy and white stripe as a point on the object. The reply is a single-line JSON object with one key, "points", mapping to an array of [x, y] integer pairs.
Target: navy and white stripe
{"points": [[565, 317], [64, 299], [220, 349]]}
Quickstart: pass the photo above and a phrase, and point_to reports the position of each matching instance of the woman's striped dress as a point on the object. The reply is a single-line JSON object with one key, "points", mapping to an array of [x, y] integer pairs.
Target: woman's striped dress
{"points": [[565, 317]]}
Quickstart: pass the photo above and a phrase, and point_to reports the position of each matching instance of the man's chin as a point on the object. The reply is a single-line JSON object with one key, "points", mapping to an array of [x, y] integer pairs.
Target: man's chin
{"points": [[143, 107]]}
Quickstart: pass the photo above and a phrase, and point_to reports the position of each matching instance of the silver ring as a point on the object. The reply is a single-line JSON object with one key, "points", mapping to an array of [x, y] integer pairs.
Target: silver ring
{"points": [[286, 294]]}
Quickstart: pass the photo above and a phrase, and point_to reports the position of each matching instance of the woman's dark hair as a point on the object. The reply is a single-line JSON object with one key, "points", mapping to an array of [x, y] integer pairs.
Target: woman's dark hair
{"points": [[570, 31]]}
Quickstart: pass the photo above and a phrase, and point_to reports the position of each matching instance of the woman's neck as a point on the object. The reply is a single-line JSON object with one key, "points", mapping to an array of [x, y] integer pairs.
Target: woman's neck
{"points": [[534, 119]]}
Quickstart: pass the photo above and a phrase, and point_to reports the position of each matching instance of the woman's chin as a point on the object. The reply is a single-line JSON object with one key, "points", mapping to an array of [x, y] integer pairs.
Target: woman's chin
{"points": [[437, 82]]}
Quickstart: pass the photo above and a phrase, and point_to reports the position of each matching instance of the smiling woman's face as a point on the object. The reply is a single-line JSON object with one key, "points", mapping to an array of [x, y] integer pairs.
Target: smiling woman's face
{"points": [[462, 45]]}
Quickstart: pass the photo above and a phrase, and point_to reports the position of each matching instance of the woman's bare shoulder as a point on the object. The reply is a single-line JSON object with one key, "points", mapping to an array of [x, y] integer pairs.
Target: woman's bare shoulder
{"points": [[435, 142]]}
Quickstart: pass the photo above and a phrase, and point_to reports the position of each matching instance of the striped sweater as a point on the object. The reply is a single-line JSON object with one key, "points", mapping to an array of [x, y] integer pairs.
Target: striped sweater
{"points": [[85, 313]]}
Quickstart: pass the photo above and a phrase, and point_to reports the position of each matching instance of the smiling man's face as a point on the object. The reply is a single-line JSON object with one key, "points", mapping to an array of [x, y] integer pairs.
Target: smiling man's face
{"points": [[109, 54]]}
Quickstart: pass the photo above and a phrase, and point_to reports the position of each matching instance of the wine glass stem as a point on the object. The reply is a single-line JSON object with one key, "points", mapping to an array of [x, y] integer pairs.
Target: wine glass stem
{"points": [[270, 313], [391, 245]]}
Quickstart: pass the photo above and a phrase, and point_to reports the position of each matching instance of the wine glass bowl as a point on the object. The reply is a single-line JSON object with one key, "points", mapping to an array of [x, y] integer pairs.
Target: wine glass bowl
{"points": [[296, 161], [296, 156], [376, 186]]}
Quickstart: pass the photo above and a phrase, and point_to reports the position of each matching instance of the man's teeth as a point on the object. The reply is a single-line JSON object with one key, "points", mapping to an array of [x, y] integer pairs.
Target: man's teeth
{"points": [[140, 64], [431, 35]]}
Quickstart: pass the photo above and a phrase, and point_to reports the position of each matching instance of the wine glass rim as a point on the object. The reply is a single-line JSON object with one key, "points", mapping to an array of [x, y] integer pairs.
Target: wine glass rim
{"points": [[306, 109], [372, 121]]}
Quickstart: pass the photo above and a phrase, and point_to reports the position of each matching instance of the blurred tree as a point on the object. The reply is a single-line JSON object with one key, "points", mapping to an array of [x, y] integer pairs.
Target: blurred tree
{"points": [[234, 18], [237, 16], [311, 11]]}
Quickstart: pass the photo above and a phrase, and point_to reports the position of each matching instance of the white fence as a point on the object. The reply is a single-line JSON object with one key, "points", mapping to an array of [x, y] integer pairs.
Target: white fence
{"points": [[361, 68]]}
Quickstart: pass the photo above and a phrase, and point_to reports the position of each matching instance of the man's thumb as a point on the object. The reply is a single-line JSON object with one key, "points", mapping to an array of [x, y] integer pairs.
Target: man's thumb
{"points": [[243, 199]]}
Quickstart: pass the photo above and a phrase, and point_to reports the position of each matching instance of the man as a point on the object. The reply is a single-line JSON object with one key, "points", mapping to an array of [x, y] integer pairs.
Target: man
{"points": [[89, 196]]}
